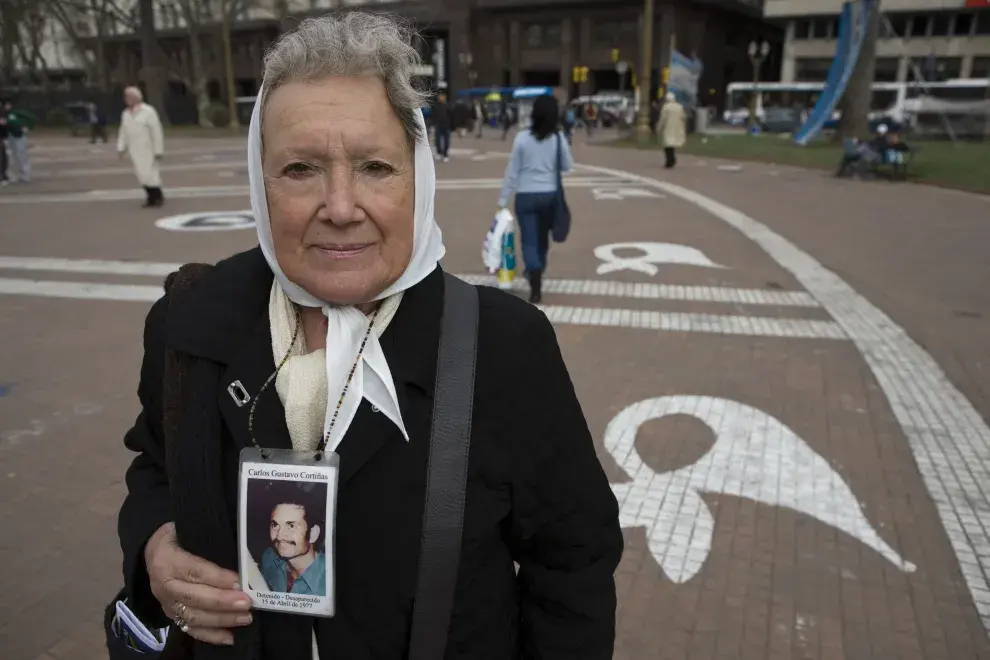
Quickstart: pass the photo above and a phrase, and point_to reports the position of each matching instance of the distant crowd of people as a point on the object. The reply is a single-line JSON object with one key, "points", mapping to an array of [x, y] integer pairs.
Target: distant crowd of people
{"points": [[668, 121], [14, 128]]}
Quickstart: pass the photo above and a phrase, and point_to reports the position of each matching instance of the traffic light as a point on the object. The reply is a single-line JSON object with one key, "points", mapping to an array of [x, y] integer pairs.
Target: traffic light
{"points": [[579, 74], [615, 55]]}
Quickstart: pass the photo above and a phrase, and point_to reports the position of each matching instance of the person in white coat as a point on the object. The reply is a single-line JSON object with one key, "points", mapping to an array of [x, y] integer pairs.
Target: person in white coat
{"points": [[672, 128], [141, 138]]}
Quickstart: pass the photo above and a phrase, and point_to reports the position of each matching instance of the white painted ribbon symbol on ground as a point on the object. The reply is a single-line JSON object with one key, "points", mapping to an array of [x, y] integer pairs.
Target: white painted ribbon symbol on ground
{"points": [[652, 254], [755, 456]]}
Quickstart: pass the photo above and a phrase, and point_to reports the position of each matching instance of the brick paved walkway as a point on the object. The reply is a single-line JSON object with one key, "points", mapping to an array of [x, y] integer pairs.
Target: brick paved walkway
{"points": [[800, 474]]}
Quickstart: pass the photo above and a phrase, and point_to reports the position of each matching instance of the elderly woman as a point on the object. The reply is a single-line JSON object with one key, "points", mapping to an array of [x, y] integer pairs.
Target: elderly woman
{"points": [[331, 329], [141, 138]]}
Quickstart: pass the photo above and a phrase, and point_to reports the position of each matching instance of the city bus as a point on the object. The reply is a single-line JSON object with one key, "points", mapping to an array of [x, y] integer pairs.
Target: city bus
{"points": [[889, 98]]}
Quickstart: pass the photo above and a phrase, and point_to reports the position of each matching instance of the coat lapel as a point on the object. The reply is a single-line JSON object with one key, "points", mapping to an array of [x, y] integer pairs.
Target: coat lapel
{"points": [[224, 318], [252, 367], [410, 345], [368, 434]]}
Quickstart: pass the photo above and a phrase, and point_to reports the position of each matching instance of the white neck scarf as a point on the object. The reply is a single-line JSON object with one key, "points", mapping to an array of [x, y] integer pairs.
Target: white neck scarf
{"points": [[347, 325]]}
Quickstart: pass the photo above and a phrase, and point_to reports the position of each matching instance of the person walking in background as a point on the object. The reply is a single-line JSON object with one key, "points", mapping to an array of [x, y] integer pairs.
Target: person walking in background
{"points": [[532, 175], [19, 123], [97, 124], [3, 145], [141, 138], [462, 117], [590, 117], [508, 119], [442, 119], [672, 129], [569, 120], [479, 119]]}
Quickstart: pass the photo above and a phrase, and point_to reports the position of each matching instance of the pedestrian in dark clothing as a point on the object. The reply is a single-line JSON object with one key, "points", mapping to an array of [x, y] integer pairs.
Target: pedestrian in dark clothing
{"points": [[3, 145], [442, 125], [97, 124]]}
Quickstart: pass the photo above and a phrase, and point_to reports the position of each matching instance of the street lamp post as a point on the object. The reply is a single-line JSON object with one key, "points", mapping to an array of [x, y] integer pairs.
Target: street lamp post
{"points": [[757, 54], [643, 133]]}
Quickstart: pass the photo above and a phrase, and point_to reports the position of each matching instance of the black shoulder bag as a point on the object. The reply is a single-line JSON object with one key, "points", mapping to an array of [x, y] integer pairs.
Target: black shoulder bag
{"points": [[560, 225], [450, 442]]}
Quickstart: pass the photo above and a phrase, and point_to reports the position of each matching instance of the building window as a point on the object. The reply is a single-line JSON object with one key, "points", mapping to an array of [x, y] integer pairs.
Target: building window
{"points": [[983, 22], [964, 23], [981, 67], [614, 33], [886, 69], [833, 28], [937, 69], [899, 25], [802, 29], [541, 35], [941, 24], [919, 25], [812, 69]]}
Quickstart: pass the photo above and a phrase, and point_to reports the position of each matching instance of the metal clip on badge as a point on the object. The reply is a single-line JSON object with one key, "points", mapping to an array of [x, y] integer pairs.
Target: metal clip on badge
{"points": [[238, 394]]}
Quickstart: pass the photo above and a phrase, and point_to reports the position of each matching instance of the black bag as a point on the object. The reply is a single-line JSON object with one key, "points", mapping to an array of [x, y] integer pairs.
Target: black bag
{"points": [[560, 225], [443, 514]]}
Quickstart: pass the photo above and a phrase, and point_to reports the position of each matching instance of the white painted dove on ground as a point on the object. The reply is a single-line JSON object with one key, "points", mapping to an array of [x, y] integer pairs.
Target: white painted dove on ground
{"points": [[650, 255], [755, 456]]}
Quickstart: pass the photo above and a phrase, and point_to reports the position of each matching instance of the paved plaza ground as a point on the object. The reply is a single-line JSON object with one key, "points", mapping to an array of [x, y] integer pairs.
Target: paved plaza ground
{"points": [[787, 377]]}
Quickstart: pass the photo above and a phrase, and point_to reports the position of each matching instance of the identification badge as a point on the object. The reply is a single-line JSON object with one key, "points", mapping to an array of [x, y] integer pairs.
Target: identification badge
{"points": [[287, 506]]}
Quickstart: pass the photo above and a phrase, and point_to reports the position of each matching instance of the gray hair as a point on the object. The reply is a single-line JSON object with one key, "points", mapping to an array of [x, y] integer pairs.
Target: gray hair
{"points": [[354, 43]]}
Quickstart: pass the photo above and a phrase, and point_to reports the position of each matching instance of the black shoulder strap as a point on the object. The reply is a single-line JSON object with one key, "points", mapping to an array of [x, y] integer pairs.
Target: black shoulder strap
{"points": [[177, 284], [450, 441]]}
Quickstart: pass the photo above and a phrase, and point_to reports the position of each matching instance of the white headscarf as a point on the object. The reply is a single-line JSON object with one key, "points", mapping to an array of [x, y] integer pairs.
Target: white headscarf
{"points": [[346, 324]]}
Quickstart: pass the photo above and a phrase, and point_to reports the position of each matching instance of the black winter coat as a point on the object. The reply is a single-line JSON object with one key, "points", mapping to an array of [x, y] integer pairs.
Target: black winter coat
{"points": [[536, 493]]}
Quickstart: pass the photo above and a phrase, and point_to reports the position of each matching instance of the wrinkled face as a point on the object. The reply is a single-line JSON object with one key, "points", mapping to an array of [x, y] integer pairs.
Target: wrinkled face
{"points": [[290, 533], [340, 184]]}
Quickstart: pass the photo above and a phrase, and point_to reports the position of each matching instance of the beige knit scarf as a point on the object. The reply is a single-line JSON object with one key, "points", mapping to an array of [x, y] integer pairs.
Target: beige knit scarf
{"points": [[302, 381]]}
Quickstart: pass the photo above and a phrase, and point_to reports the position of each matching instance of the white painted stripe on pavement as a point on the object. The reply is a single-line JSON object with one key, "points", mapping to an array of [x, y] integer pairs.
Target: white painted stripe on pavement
{"points": [[80, 290], [100, 266], [651, 291], [612, 289], [721, 324], [948, 437], [561, 314], [242, 191]]}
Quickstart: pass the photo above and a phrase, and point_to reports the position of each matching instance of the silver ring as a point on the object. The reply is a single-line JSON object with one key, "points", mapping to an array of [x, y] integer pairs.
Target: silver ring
{"points": [[180, 618], [181, 624]]}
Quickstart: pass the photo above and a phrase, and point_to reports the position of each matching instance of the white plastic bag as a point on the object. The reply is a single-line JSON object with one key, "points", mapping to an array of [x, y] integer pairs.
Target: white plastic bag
{"points": [[491, 251]]}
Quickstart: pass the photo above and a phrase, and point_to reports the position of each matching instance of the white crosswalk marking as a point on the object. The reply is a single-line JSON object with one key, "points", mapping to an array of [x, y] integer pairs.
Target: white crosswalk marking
{"points": [[612, 289], [241, 191], [726, 324]]}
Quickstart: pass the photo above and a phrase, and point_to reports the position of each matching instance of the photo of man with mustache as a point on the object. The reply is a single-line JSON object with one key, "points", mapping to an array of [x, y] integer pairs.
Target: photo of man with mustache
{"points": [[295, 561]]}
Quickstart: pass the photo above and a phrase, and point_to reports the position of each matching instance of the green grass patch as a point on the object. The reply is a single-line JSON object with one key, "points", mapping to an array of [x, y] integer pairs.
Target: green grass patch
{"points": [[961, 165]]}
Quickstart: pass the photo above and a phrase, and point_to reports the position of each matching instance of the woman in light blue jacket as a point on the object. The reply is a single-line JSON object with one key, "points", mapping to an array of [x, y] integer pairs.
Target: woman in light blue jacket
{"points": [[532, 175]]}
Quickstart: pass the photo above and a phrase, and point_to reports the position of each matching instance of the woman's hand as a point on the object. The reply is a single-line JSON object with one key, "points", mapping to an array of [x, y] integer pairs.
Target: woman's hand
{"points": [[205, 596]]}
